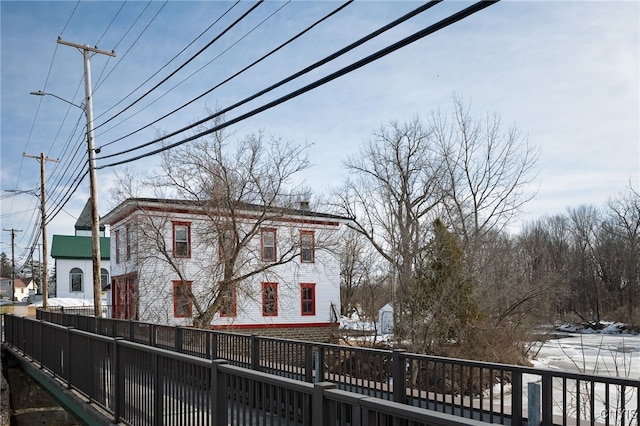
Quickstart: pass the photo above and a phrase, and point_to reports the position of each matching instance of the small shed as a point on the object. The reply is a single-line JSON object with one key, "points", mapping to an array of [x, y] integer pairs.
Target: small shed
{"points": [[385, 319]]}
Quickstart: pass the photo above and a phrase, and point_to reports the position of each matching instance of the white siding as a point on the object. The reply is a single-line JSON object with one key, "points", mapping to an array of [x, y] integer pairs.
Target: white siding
{"points": [[155, 278]]}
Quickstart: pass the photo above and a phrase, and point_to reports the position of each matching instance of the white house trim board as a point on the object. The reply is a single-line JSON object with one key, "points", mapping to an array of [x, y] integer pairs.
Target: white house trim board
{"points": [[149, 221]]}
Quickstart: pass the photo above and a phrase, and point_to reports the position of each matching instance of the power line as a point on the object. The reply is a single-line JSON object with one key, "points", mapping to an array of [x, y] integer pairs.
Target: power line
{"points": [[280, 83], [168, 62], [199, 52], [350, 68]]}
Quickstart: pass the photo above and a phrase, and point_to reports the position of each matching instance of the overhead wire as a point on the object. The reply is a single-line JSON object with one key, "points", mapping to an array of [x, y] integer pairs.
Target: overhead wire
{"points": [[280, 83], [476, 7], [193, 57], [226, 80], [168, 62], [121, 57], [36, 115]]}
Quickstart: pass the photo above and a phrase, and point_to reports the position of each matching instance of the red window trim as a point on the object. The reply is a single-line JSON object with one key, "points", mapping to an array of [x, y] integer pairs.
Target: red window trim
{"points": [[311, 286], [313, 246], [263, 231], [176, 284], [173, 237], [274, 286], [235, 303]]}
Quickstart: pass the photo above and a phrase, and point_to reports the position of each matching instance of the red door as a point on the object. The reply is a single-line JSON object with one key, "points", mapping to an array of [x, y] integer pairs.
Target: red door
{"points": [[125, 297]]}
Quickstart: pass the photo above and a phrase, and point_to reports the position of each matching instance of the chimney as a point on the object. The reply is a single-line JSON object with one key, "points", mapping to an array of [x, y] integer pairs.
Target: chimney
{"points": [[304, 205]]}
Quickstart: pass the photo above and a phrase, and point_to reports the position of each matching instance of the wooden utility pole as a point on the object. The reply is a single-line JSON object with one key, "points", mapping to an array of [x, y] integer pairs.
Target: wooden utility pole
{"points": [[95, 217], [43, 227], [13, 259]]}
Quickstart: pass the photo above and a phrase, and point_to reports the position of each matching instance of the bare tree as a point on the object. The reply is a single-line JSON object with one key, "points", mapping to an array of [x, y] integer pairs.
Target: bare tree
{"points": [[488, 171], [240, 191], [394, 188]]}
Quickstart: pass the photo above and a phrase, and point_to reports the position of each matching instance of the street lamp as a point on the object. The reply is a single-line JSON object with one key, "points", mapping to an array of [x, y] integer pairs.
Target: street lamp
{"points": [[95, 217]]}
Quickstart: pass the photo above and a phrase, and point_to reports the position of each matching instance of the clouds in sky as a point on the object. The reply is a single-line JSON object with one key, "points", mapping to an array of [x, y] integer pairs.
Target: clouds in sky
{"points": [[565, 73]]}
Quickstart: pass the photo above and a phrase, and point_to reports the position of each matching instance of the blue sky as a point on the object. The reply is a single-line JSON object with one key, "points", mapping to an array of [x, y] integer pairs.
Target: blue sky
{"points": [[565, 73]]}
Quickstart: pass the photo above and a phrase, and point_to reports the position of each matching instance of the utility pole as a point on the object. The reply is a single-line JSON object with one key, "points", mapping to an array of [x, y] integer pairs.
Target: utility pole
{"points": [[95, 217], [43, 226], [13, 260]]}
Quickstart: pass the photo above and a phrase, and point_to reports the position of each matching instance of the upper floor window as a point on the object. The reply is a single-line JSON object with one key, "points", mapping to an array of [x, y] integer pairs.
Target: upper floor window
{"points": [[117, 244], [129, 237], [268, 244], [182, 303], [181, 239], [308, 299], [270, 299], [307, 249], [228, 307], [75, 280]]}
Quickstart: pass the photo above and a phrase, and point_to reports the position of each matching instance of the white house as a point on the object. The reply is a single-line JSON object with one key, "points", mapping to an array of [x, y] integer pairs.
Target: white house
{"points": [[173, 259], [73, 261], [23, 288]]}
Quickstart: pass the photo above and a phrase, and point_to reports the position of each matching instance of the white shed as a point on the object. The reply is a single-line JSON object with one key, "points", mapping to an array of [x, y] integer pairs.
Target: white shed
{"points": [[385, 319]]}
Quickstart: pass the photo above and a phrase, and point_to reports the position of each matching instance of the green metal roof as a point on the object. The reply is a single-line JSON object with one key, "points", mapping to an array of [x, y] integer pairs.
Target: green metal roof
{"points": [[72, 247]]}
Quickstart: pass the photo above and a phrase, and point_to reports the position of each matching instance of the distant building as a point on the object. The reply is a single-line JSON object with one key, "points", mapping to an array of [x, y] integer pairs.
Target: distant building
{"points": [[73, 261], [5, 288], [23, 288]]}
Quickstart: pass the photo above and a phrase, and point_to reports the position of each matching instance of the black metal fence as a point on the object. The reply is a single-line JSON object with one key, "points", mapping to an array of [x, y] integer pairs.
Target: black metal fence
{"points": [[138, 384], [490, 392]]}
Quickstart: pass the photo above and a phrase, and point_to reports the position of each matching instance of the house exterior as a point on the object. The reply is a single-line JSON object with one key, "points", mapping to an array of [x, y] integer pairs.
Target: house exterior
{"points": [[171, 259], [23, 288], [73, 261]]}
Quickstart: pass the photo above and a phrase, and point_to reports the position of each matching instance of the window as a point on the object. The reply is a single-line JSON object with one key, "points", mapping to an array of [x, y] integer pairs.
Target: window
{"points": [[181, 239], [307, 254], [308, 298], [182, 303], [104, 278], [269, 299], [228, 305], [128, 241], [75, 280], [117, 241], [268, 242]]}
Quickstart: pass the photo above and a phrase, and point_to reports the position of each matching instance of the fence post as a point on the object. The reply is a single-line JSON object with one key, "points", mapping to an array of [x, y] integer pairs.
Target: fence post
{"points": [[309, 357], [533, 404], [547, 399], [117, 387], [178, 339], [255, 352], [399, 374], [218, 393], [214, 345], [319, 409], [516, 397]]}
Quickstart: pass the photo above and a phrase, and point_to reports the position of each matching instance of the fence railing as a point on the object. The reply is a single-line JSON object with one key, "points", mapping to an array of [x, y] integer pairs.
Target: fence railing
{"points": [[489, 392], [138, 384]]}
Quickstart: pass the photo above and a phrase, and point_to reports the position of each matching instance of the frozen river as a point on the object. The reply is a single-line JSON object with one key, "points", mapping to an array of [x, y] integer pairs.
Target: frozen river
{"points": [[601, 354], [595, 354]]}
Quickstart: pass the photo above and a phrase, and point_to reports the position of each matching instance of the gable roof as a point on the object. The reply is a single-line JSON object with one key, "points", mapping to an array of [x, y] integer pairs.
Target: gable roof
{"points": [[84, 220], [72, 247], [22, 282]]}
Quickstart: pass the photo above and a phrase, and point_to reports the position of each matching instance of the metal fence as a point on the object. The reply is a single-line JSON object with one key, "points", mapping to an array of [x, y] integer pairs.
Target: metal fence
{"points": [[490, 392], [138, 384]]}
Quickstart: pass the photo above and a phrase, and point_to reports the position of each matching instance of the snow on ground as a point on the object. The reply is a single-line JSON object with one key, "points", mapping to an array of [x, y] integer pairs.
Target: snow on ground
{"points": [[64, 302], [609, 351]]}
